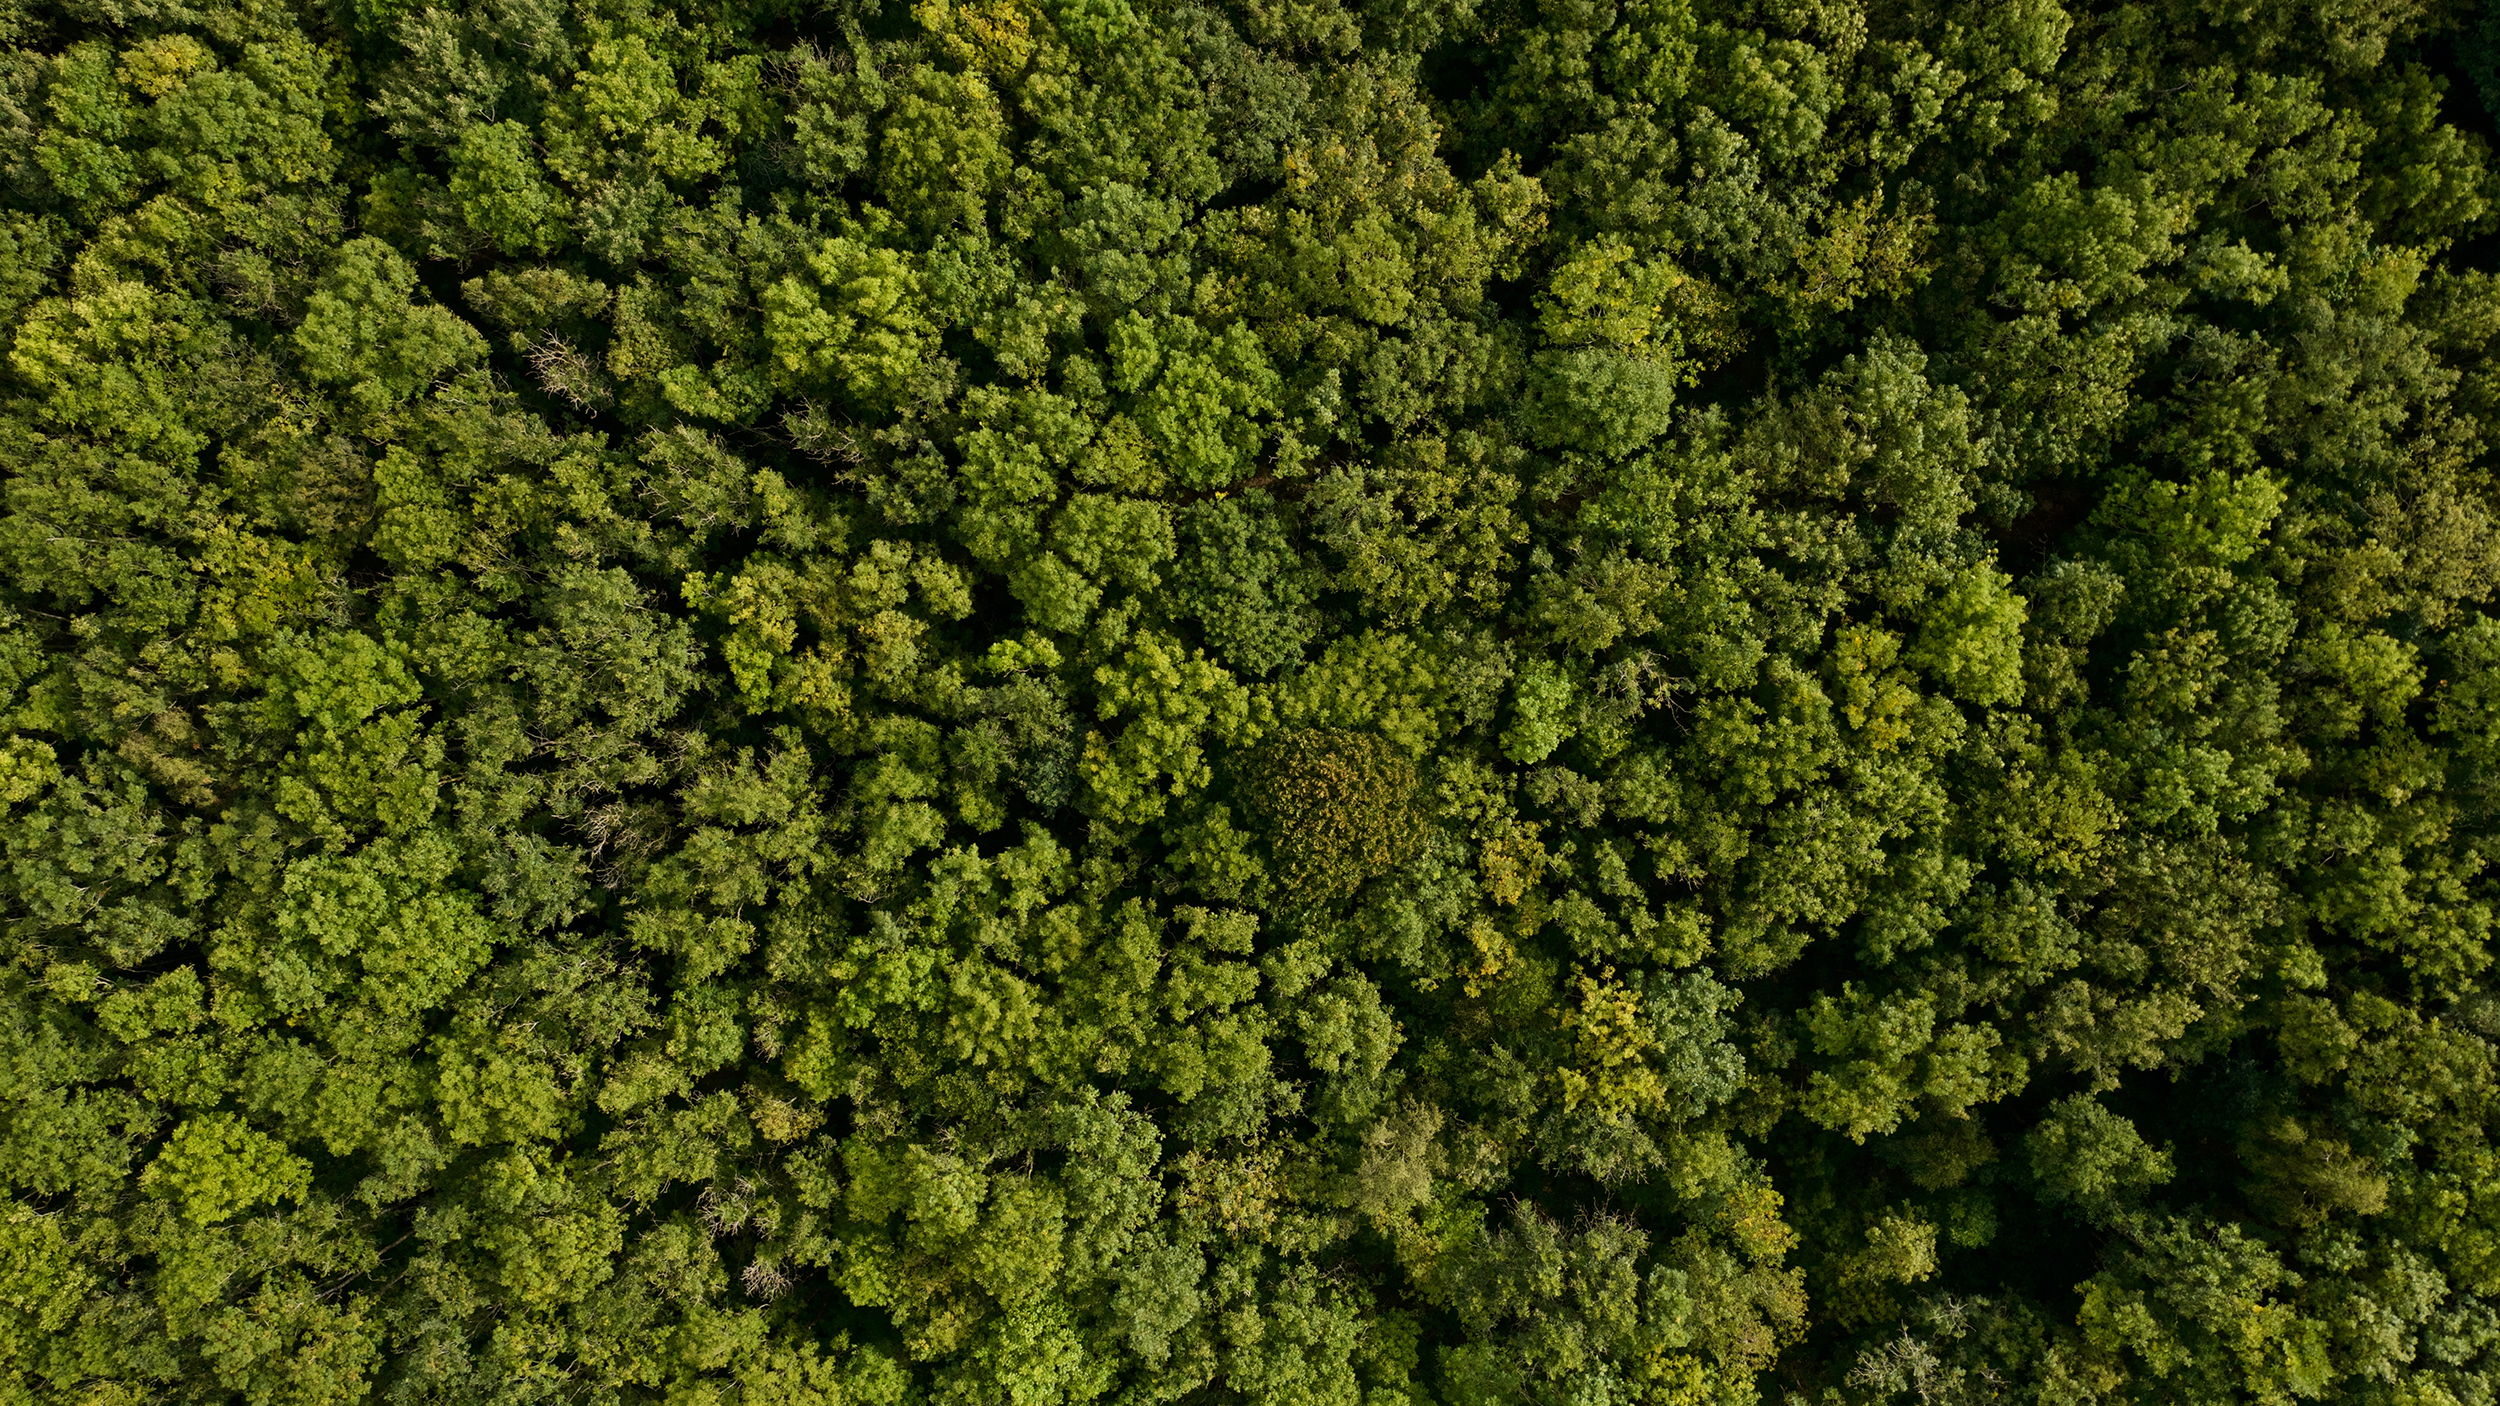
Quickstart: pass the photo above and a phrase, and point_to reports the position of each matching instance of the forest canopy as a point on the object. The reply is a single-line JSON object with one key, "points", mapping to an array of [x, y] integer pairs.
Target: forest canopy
{"points": [[1249, 702]]}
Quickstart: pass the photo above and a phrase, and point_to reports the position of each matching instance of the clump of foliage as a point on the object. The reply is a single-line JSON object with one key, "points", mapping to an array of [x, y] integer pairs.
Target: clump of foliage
{"points": [[1303, 702], [1342, 807]]}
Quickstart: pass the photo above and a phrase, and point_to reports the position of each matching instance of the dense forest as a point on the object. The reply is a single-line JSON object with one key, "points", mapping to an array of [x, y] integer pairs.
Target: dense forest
{"points": [[1300, 702]]}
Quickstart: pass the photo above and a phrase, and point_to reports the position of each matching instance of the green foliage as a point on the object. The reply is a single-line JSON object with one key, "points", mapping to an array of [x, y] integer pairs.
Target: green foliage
{"points": [[216, 1167], [2088, 1157], [1342, 807], [361, 330], [1971, 639], [1540, 713], [859, 329], [500, 188], [1147, 701]]}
